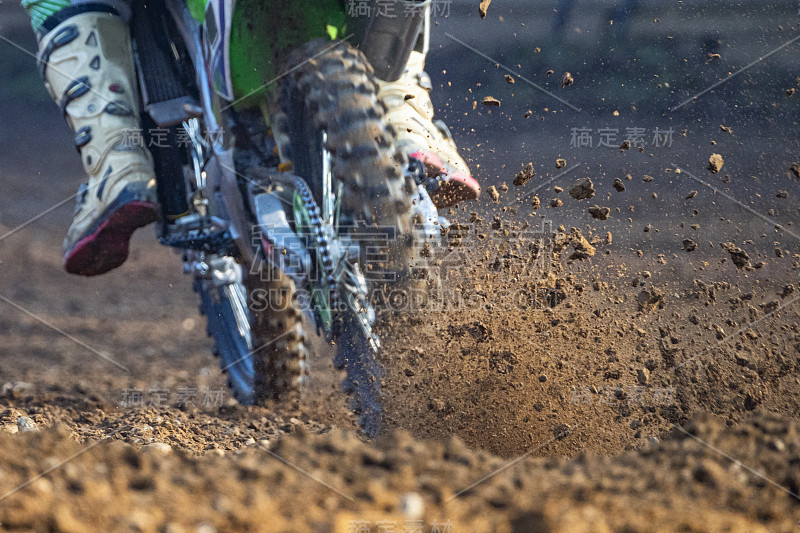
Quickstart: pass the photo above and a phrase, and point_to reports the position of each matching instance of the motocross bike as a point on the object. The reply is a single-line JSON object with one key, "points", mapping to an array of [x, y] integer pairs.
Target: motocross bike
{"points": [[275, 205]]}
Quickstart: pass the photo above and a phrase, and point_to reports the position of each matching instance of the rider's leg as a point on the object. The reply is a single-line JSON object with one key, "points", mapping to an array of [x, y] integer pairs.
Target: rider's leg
{"points": [[86, 61], [411, 114]]}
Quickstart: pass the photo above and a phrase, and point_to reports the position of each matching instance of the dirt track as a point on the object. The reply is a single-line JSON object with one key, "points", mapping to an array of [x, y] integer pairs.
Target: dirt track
{"points": [[576, 438], [650, 387]]}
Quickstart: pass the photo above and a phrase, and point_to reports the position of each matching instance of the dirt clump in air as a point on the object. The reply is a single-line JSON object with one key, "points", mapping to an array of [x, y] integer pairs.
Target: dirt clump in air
{"points": [[483, 8], [582, 189], [739, 257], [600, 213], [715, 163], [524, 175], [582, 248]]}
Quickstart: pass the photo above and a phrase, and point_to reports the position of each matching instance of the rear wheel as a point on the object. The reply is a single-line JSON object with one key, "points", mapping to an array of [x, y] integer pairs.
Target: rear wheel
{"points": [[329, 123]]}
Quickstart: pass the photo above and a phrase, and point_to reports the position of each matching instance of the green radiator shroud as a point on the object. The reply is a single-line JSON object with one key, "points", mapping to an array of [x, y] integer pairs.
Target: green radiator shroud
{"points": [[263, 32]]}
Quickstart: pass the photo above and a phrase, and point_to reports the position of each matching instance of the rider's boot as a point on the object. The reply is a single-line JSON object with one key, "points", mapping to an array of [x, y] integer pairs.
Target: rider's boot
{"points": [[86, 61], [411, 115]]}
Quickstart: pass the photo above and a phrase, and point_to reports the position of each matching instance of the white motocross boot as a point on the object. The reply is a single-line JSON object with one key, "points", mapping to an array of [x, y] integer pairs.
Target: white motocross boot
{"points": [[411, 115], [87, 64]]}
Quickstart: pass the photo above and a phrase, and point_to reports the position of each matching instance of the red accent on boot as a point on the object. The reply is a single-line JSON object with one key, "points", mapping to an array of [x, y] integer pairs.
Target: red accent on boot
{"points": [[107, 247]]}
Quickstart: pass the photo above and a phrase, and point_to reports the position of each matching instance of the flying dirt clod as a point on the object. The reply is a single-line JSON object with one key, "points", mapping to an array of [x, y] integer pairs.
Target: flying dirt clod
{"points": [[583, 189], [715, 163], [483, 7], [524, 175]]}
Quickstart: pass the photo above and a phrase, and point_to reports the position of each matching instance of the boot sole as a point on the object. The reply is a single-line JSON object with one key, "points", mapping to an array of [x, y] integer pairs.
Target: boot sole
{"points": [[457, 188], [106, 247]]}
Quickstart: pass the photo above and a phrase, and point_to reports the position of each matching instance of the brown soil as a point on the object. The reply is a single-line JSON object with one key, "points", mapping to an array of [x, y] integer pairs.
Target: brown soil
{"points": [[334, 482]]}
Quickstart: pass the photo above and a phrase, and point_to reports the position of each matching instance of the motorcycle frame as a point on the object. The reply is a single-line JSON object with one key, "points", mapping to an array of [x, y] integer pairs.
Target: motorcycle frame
{"points": [[219, 168]]}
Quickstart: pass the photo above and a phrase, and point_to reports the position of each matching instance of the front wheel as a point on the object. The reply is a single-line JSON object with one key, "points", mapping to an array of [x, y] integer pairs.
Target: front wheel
{"points": [[257, 326]]}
